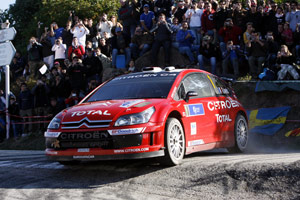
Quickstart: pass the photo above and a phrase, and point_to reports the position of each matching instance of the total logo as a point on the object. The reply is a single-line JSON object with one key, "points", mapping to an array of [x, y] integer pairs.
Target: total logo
{"points": [[90, 112], [223, 118]]}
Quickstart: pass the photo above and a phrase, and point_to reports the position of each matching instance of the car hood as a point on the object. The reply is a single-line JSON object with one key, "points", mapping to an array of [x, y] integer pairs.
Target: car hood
{"points": [[107, 110]]}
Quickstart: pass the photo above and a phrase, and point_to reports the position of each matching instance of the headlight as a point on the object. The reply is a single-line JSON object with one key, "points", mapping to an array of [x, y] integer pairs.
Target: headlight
{"points": [[138, 118], [54, 124]]}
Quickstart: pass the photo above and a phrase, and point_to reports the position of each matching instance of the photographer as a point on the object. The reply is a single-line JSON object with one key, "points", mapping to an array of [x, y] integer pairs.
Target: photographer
{"points": [[55, 31], [80, 31], [60, 51], [77, 73], [34, 56], [104, 26], [257, 51], [231, 55], [208, 53]]}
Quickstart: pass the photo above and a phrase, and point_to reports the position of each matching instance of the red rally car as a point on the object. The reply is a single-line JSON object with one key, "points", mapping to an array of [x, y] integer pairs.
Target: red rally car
{"points": [[155, 113]]}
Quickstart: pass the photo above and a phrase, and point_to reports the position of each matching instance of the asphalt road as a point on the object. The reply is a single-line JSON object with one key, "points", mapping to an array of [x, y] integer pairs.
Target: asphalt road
{"points": [[207, 175]]}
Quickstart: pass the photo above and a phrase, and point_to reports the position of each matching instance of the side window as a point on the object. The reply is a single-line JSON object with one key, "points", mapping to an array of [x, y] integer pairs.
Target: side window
{"points": [[195, 82], [219, 86]]}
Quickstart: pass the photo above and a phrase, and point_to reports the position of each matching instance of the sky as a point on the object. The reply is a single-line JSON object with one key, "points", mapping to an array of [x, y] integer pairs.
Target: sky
{"points": [[4, 4]]}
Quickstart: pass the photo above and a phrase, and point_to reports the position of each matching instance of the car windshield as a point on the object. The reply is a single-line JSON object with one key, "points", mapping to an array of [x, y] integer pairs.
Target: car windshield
{"points": [[136, 86]]}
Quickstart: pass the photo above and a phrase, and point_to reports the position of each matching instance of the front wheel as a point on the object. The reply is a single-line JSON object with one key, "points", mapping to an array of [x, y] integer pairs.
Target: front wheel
{"points": [[241, 135], [174, 143]]}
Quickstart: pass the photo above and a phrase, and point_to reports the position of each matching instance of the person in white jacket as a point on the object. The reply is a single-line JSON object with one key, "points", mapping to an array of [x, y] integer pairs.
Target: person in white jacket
{"points": [[80, 31], [60, 51]]}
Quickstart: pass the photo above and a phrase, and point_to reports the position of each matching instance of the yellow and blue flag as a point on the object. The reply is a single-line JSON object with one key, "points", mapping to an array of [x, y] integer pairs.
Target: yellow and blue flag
{"points": [[267, 121], [293, 133]]}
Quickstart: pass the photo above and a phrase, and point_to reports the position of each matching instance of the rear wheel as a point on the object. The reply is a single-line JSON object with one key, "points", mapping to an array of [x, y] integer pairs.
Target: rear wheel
{"points": [[241, 135], [174, 143]]}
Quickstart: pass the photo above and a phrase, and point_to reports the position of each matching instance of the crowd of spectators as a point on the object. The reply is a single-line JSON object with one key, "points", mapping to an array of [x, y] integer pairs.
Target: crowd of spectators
{"points": [[226, 34]]}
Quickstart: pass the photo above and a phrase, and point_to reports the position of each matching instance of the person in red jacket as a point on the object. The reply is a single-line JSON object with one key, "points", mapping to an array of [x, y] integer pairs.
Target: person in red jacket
{"points": [[207, 20], [75, 50], [229, 32]]}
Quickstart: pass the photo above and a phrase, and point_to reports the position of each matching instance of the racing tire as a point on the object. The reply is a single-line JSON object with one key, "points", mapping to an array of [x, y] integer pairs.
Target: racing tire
{"points": [[174, 143], [241, 135]]}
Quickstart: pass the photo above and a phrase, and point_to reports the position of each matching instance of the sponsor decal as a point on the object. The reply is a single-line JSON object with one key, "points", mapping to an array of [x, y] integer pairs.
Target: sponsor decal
{"points": [[131, 150], [83, 150], [55, 144], [145, 76], [85, 157], [193, 128], [130, 103], [223, 118], [84, 135], [126, 131], [52, 134], [194, 109], [219, 105], [104, 104], [195, 142], [90, 112], [51, 152]]}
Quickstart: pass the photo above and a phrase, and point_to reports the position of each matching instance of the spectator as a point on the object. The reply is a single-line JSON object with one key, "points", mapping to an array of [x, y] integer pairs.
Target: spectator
{"points": [[147, 19], [106, 62], [179, 11], [76, 49], [285, 60], [231, 55], [140, 43], [120, 45], [73, 99], [278, 34], [105, 47], [207, 20], [92, 30], [175, 27], [92, 65], [229, 32], [193, 16], [293, 15], [287, 35], [186, 38], [297, 42], [125, 14], [55, 31], [14, 112], [54, 108], [104, 26], [77, 73], [67, 36], [248, 32], [162, 6], [34, 56], [16, 69], [238, 14], [80, 31], [257, 51], [208, 53], [60, 51], [48, 54], [272, 50], [115, 23], [253, 16], [221, 15], [162, 38], [26, 106]]}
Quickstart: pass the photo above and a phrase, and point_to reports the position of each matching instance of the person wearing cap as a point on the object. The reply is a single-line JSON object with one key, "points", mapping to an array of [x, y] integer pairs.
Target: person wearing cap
{"points": [[147, 19], [120, 45], [208, 54]]}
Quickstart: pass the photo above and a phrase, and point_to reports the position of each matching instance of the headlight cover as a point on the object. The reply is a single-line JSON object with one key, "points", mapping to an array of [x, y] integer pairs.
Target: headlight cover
{"points": [[54, 124], [137, 118]]}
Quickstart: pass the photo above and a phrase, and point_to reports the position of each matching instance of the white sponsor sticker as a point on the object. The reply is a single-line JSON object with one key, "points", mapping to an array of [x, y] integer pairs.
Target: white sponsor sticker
{"points": [[195, 142], [126, 131], [130, 103], [193, 128], [223, 118], [51, 152], [52, 134], [83, 150], [83, 157], [131, 150]]}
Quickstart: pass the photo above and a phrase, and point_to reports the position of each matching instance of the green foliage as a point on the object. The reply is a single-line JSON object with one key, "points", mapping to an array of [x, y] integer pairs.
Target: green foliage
{"points": [[27, 13]]}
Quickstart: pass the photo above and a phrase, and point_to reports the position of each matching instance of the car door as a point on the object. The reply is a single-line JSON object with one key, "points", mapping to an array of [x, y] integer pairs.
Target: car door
{"points": [[198, 119]]}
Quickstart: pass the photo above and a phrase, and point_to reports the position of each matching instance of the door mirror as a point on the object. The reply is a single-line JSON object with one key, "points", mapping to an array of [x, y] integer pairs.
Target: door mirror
{"points": [[189, 95]]}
